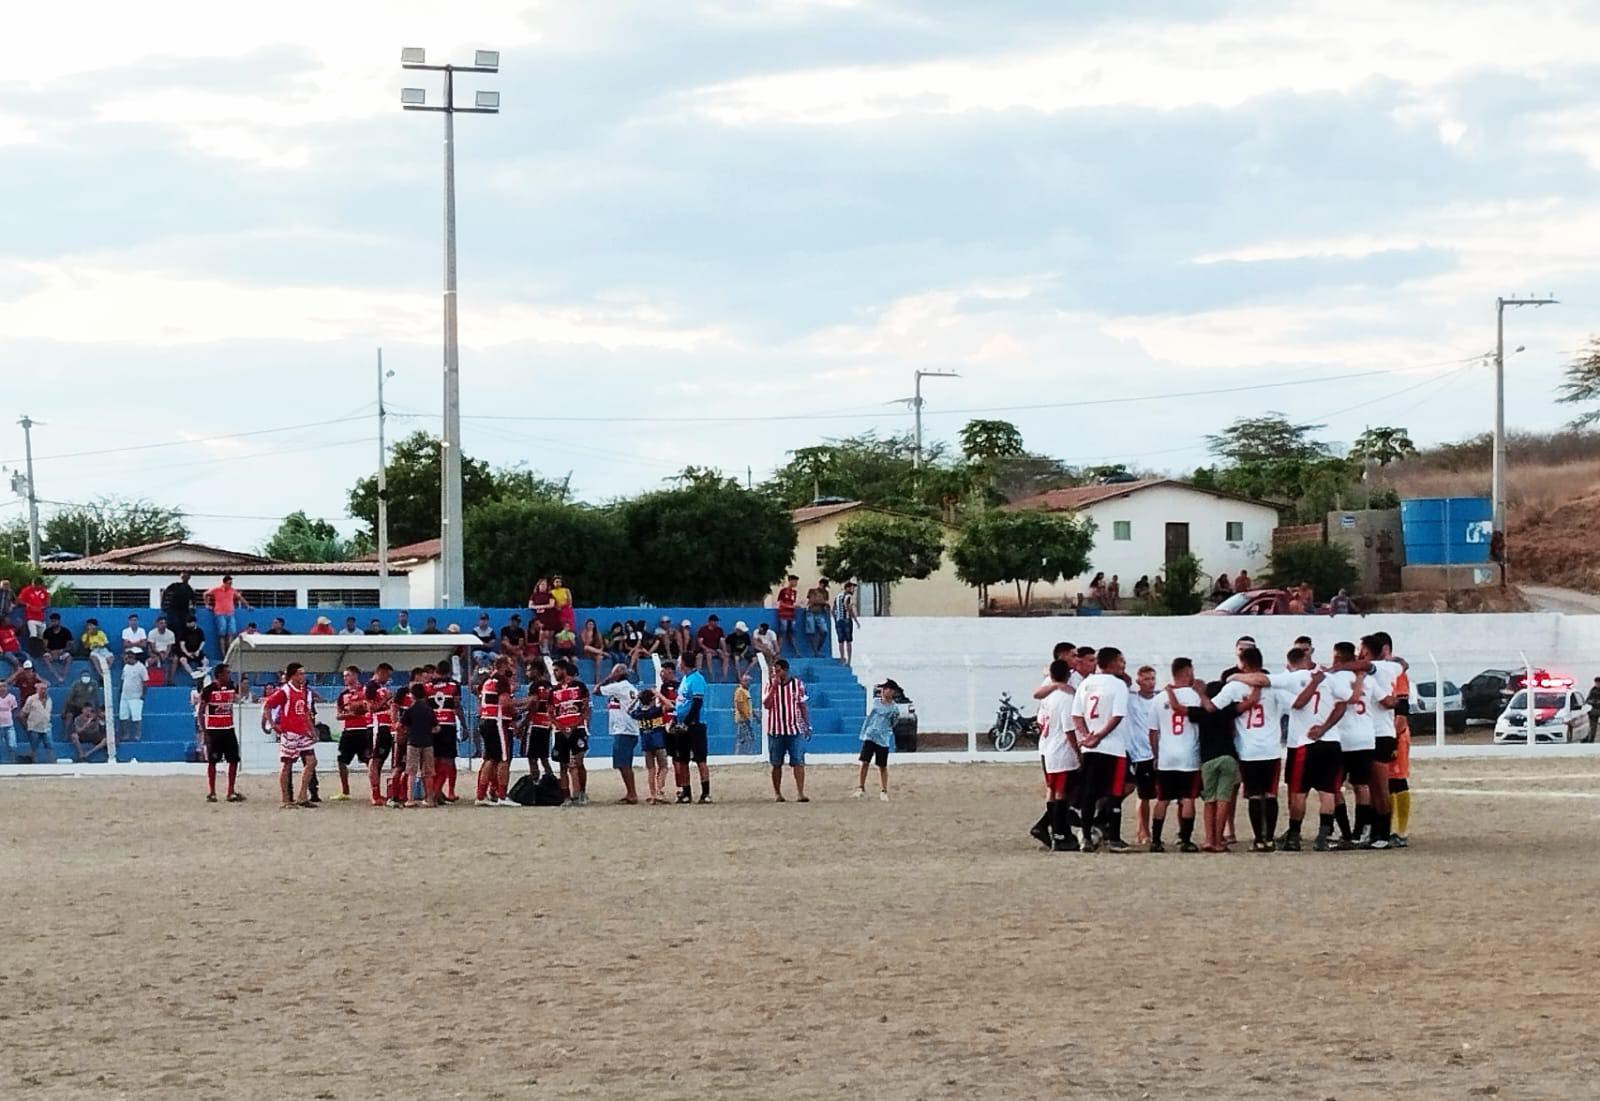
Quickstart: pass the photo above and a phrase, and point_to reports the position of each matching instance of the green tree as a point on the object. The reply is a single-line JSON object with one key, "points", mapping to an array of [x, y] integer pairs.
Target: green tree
{"points": [[1328, 567], [984, 439], [413, 489], [1023, 548], [302, 539], [105, 523], [1383, 445], [507, 545], [1266, 438], [700, 544], [1582, 385], [1181, 590], [860, 468], [20, 572], [878, 550]]}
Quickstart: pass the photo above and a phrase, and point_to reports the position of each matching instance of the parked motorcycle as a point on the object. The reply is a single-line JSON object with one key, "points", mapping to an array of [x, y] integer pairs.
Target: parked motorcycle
{"points": [[1010, 724]]}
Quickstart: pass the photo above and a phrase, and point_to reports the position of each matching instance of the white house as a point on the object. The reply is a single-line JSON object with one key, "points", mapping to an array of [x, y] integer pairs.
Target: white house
{"points": [[1141, 526]]}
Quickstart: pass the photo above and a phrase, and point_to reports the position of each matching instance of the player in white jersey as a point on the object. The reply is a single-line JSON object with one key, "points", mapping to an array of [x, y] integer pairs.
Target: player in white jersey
{"points": [[1256, 728], [1356, 735], [1142, 703], [1058, 753], [1177, 758], [1313, 762], [1386, 673], [1099, 708], [1067, 652]]}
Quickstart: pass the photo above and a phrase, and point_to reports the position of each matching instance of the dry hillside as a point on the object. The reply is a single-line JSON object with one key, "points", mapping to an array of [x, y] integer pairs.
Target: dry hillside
{"points": [[1552, 500]]}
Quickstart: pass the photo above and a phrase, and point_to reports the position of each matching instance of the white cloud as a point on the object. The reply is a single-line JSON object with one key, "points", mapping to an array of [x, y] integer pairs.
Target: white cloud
{"points": [[1320, 46]]}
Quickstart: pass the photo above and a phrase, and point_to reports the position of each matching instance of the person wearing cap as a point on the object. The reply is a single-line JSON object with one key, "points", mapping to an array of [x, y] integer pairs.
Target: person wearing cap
{"points": [[683, 644], [709, 643], [665, 638], [844, 619], [877, 736], [224, 601], [741, 653], [323, 626], [57, 657]]}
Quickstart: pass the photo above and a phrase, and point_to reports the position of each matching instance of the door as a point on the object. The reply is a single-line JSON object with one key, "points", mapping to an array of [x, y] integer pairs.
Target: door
{"points": [[1177, 542]]}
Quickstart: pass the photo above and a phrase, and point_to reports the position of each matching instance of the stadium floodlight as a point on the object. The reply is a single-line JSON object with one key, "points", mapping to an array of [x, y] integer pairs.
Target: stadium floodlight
{"points": [[486, 59], [413, 97], [413, 55], [487, 101]]}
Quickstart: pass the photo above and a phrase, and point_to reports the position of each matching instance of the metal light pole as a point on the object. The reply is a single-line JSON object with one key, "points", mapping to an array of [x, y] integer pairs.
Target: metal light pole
{"points": [[383, 482], [916, 408], [451, 566], [1497, 488], [33, 497]]}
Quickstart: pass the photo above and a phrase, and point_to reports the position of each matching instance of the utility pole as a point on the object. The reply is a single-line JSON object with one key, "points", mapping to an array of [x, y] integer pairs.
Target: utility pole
{"points": [[452, 568], [383, 483], [916, 408], [1498, 479], [33, 497]]}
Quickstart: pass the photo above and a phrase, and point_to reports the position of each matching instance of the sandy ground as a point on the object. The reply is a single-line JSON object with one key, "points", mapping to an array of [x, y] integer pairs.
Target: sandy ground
{"points": [[926, 947]]}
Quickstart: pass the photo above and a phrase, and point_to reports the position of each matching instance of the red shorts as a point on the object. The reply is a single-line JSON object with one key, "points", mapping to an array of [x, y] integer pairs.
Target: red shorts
{"points": [[1060, 784]]}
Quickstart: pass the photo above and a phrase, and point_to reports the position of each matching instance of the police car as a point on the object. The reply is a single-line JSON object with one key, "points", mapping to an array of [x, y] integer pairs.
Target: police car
{"points": [[1558, 714]]}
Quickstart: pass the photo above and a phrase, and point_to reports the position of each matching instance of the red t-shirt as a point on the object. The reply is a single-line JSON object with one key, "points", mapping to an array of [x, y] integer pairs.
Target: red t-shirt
{"points": [[295, 704], [34, 600], [710, 636], [8, 640], [786, 599]]}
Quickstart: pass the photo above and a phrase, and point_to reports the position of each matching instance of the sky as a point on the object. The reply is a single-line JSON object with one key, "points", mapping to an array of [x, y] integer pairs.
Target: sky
{"points": [[713, 231]]}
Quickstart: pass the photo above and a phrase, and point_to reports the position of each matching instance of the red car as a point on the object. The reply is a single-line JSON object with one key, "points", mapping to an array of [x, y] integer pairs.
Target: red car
{"points": [[1254, 602]]}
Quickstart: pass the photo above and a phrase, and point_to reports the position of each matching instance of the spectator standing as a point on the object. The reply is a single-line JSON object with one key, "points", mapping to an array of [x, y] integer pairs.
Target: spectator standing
{"points": [[845, 620], [97, 646], [788, 727], [8, 600], [1097, 590], [877, 735], [57, 650], [88, 728], [34, 598], [818, 603], [10, 646], [561, 596], [130, 711], [542, 606], [402, 623], [323, 626], [8, 723], [1114, 593], [178, 600], [133, 635], [1593, 701], [787, 597], [623, 727], [710, 643], [744, 727], [36, 723], [224, 601], [24, 680], [161, 643]]}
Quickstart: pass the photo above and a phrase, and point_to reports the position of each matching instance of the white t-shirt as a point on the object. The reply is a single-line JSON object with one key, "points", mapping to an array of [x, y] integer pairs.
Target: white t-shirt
{"points": [[1140, 721], [1178, 749], [133, 638], [1382, 677], [161, 640], [620, 698], [1255, 729], [1055, 719], [1316, 709], [1100, 698], [1355, 727], [8, 705], [134, 678]]}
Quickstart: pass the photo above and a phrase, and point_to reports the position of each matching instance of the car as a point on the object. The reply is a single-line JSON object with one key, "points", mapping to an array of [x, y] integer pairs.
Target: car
{"points": [[1485, 695], [1254, 602], [1423, 707], [1558, 714]]}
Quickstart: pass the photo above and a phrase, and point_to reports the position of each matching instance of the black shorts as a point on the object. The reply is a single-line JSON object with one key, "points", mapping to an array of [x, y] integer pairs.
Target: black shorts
{"points": [[1260, 777], [872, 751], [1103, 776], [570, 743], [496, 741], [1143, 775], [382, 744], [1323, 769], [537, 743], [689, 744], [445, 743], [1383, 751], [355, 745], [1175, 784], [1357, 765], [222, 745]]}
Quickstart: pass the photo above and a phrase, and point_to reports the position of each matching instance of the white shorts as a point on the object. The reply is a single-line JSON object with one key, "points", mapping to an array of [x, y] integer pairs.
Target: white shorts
{"points": [[131, 711], [35, 628]]}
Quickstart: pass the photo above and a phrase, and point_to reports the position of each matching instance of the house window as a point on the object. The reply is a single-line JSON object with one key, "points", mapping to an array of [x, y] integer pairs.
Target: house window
{"points": [[112, 598], [342, 598], [1235, 531], [1122, 530], [822, 552], [271, 598]]}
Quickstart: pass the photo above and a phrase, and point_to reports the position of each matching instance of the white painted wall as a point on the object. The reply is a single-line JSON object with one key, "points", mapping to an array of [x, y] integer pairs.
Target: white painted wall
{"points": [[1148, 512], [396, 595], [932, 658]]}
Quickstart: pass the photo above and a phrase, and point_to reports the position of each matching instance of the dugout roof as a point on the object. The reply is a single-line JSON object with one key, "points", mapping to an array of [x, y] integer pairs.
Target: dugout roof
{"points": [[331, 653]]}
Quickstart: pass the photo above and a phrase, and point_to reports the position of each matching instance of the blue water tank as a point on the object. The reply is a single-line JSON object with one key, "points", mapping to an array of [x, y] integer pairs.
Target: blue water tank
{"points": [[1442, 531]]}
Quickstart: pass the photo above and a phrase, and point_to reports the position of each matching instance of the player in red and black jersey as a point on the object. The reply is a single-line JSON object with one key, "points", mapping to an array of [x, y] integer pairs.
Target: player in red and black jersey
{"points": [[354, 713], [445, 691], [221, 737], [495, 712], [569, 706], [380, 701], [537, 744]]}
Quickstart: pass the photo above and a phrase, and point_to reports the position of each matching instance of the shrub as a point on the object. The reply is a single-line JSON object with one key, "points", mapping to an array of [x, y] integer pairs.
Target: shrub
{"points": [[1327, 567], [1182, 594]]}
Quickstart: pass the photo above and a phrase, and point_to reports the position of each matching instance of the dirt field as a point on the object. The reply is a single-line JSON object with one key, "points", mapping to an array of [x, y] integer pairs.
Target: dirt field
{"points": [[926, 947]]}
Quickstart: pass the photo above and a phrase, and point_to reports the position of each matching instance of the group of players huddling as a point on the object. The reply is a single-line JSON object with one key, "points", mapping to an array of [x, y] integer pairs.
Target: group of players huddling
{"points": [[1318, 727]]}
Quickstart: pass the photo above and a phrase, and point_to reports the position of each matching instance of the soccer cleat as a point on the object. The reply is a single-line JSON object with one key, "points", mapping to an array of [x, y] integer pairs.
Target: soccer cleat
{"points": [[1065, 844], [860, 792], [1189, 847], [1379, 843], [316, 799], [1341, 844], [1157, 847], [391, 802], [235, 797], [1038, 833], [1092, 840], [684, 797], [1117, 845], [340, 798], [483, 802], [883, 796], [451, 798], [1291, 843], [707, 798], [1321, 845], [1282, 839], [1398, 840], [1260, 847], [211, 797]]}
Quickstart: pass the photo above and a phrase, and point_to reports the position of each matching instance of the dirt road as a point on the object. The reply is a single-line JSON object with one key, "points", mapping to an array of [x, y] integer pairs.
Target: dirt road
{"points": [[1548, 598]]}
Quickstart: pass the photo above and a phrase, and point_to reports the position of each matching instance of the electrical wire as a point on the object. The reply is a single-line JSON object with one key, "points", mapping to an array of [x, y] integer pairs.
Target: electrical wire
{"points": [[185, 443]]}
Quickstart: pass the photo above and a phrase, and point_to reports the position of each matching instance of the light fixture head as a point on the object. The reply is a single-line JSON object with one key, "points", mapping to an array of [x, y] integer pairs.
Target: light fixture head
{"points": [[486, 59], [487, 101], [413, 55]]}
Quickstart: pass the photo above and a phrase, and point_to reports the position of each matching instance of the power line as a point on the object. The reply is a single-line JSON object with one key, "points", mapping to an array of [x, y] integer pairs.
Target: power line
{"points": [[188, 443]]}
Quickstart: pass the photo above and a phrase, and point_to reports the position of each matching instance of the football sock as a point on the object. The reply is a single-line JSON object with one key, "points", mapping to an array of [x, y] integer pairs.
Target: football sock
{"points": [[1256, 815], [1324, 825], [1271, 819], [1156, 826], [1381, 830], [1185, 828], [1060, 822], [1363, 817], [1294, 827], [1402, 812], [705, 788], [483, 783], [1341, 815]]}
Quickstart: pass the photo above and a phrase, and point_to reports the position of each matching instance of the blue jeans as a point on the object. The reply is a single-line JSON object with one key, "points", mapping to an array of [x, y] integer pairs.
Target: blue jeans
{"points": [[39, 746], [817, 623], [744, 736], [227, 624], [779, 745]]}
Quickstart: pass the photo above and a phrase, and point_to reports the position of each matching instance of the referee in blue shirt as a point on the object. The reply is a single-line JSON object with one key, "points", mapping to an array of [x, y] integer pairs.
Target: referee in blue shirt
{"points": [[690, 743]]}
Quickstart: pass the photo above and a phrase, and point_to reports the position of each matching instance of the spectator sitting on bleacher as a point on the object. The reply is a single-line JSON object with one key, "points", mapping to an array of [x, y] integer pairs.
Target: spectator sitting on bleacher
{"points": [[133, 635], [431, 626], [323, 626], [514, 640], [96, 646], [765, 641], [484, 630], [36, 724], [710, 644], [161, 644], [617, 648], [192, 651], [277, 627], [375, 628], [57, 650], [87, 727], [683, 642], [350, 627], [564, 647], [402, 623], [741, 654], [250, 629], [82, 694], [10, 646]]}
